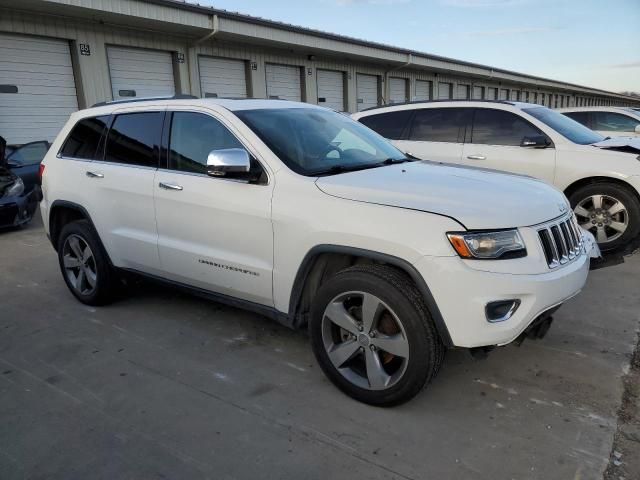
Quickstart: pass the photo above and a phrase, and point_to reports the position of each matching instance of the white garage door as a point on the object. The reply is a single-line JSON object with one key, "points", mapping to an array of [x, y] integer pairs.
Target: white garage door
{"points": [[423, 90], [478, 93], [330, 89], [37, 89], [140, 73], [463, 91], [445, 91], [397, 90], [222, 77], [283, 82], [366, 91]]}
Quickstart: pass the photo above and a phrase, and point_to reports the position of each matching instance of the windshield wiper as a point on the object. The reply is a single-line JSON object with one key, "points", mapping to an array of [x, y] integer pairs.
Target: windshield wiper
{"points": [[344, 168]]}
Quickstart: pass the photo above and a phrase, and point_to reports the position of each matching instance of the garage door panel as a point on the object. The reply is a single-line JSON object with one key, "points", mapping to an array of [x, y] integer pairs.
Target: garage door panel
{"points": [[222, 77], [283, 82], [423, 90], [330, 85], [42, 71], [366, 91], [397, 90], [149, 73]]}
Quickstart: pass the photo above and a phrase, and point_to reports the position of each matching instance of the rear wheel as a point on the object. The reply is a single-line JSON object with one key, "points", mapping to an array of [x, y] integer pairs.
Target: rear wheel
{"points": [[610, 211], [373, 336], [84, 264]]}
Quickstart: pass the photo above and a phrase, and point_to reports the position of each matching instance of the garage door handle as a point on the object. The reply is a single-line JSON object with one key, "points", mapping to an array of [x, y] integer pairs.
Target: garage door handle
{"points": [[95, 175], [170, 186], [476, 157]]}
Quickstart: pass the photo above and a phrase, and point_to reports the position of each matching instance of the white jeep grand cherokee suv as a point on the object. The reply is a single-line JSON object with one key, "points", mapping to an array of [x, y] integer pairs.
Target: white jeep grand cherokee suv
{"points": [[306, 216], [600, 176]]}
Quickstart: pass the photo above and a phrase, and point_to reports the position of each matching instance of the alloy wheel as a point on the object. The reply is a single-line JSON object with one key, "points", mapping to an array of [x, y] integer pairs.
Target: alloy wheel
{"points": [[79, 265], [604, 216], [365, 340]]}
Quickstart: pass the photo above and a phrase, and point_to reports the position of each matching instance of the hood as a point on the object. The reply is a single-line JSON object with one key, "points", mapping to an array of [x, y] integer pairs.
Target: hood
{"points": [[7, 178], [621, 144], [478, 199]]}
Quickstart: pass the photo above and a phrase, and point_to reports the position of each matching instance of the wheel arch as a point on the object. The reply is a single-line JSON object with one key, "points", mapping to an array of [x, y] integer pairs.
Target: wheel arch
{"points": [[573, 187], [322, 261]]}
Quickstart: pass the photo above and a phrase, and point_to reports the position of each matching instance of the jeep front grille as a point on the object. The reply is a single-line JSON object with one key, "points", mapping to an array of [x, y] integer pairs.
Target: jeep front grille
{"points": [[561, 241]]}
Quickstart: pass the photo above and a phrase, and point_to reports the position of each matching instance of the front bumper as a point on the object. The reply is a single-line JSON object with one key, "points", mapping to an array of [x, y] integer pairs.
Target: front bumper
{"points": [[461, 293], [18, 210]]}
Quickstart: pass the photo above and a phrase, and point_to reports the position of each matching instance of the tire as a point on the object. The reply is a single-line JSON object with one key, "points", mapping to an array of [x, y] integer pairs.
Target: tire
{"points": [[613, 197], [402, 317], [98, 285]]}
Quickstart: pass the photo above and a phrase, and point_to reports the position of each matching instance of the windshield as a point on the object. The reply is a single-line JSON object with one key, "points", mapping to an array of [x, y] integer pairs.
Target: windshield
{"points": [[565, 126], [312, 141]]}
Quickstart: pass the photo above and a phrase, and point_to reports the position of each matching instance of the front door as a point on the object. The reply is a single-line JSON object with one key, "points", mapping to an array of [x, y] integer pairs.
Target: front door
{"points": [[495, 143], [214, 233]]}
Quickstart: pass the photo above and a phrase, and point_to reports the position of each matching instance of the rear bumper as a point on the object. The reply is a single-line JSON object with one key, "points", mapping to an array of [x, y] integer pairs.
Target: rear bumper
{"points": [[462, 293], [15, 211]]}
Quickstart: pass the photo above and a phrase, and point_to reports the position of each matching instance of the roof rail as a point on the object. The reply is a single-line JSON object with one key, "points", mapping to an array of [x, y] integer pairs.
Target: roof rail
{"points": [[413, 102], [181, 96]]}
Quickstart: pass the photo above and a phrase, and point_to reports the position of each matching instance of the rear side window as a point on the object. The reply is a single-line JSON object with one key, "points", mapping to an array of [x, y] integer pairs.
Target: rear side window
{"points": [[390, 125], [440, 125], [134, 139], [84, 138], [497, 127], [580, 117]]}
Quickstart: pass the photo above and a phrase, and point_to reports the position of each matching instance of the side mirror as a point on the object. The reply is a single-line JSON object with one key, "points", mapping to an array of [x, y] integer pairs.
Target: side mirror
{"points": [[637, 129], [536, 141], [221, 163]]}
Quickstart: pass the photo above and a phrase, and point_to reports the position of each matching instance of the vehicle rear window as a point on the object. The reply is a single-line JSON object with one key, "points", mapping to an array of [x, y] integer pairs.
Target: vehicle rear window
{"points": [[390, 125], [134, 139], [497, 127], [440, 125], [84, 138]]}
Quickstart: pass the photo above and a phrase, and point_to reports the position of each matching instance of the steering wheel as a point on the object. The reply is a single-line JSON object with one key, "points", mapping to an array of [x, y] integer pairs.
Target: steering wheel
{"points": [[329, 148]]}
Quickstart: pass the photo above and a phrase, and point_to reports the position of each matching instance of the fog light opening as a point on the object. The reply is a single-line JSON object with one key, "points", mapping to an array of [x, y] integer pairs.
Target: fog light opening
{"points": [[501, 310]]}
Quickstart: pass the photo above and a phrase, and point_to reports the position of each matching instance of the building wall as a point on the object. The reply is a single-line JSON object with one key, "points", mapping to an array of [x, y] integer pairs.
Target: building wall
{"points": [[92, 73]]}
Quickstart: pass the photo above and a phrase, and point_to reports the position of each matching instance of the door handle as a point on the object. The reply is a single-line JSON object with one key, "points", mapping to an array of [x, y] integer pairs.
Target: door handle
{"points": [[170, 186], [476, 157], [95, 175]]}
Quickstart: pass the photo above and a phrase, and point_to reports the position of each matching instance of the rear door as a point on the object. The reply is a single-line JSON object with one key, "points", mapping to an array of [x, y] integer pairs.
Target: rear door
{"points": [[214, 233], [495, 141], [121, 186], [437, 134]]}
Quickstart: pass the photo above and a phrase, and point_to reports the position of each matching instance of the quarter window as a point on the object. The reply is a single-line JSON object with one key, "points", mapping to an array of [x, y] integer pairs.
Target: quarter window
{"points": [[134, 139], [193, 137], [390, 125], [497, 127], [84, 138], [613, 122], [439, 125]]}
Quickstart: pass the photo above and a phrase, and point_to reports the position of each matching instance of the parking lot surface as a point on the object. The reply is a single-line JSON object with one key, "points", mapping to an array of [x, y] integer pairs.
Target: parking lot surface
{"points": [[165, 385]]}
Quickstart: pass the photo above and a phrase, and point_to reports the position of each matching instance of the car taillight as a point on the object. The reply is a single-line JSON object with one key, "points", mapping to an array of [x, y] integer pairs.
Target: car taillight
{"points": [[40, 173]]}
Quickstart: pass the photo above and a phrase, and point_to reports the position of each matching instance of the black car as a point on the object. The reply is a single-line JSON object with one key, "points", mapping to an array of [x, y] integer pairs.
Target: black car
{"points": [[24, 161], [18, 198]]}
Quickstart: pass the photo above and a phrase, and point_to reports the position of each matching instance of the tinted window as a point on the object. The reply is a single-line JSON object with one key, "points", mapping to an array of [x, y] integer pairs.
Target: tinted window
{"points": [[83, 140], [613, 122], [193, 136], [497, 127], [390, 125], [565, 126], [439, 125], [29, 154], [134, 139], [580, 117]]}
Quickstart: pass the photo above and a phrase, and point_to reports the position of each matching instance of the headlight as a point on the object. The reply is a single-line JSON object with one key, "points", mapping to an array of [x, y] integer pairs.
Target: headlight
{"points": [[488, 245], [16, 189]]}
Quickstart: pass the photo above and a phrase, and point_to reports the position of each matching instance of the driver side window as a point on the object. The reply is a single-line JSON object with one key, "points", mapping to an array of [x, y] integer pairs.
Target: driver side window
{"points": [[498, 127], [193, 136]]}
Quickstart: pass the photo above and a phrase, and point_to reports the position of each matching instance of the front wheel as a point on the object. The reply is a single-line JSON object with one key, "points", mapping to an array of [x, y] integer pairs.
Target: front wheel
{"points": [[373, 336], [610, 211]]}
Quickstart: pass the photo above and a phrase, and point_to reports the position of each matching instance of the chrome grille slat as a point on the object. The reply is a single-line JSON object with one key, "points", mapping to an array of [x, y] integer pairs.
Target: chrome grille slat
{"points": [[561, 241]]}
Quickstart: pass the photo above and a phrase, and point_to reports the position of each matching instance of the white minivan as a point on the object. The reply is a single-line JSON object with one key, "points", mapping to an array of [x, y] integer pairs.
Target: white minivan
{"points": [[600, 176]]}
